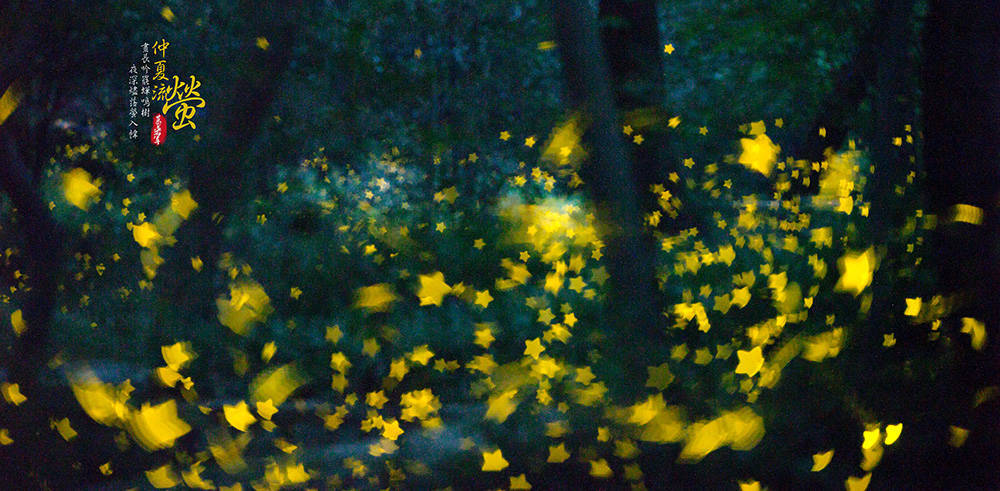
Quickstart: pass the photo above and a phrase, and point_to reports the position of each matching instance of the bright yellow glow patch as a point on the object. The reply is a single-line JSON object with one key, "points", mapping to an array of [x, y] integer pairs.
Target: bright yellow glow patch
{"points": [[494, 461], [163, 477], [892, 433], [12, 393], [238, 415], [966, 213], [80, 189], [182, 204], [821, 460], [177, 355], [958, 436], [17, 322], [145, 234], [157, 427], [432, 289], [557, 454], [759, 154], [740, 430], [750, 361], [871, 438], [563, 147], [600, 468], [277, 384], [858, 483], [9, 101], [167, 14], [246, 306], [375, 298], [856, 270], [976, 330], [101, 401], [65, 430]]}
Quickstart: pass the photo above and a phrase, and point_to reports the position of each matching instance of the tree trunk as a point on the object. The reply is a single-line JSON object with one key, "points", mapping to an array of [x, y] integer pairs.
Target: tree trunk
{"points": [[961, 118], [880, 52], [219, 171], [612, 189]]}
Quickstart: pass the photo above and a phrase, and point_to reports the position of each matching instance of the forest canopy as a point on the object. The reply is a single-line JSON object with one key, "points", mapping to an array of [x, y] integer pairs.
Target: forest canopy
{"points": [[427, 244]]}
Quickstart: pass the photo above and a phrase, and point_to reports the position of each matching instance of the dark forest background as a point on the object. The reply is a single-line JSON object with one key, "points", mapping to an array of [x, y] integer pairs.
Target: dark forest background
{"points": [[688, 244]]}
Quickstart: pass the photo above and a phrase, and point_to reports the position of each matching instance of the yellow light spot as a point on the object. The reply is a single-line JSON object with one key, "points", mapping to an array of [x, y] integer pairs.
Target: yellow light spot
{"points": [[65, 430], [519, 482], [145, 234], [870, 438], [277, 384], [599, 468], [163, 477], [484, 336], [958, 436], [858, 483], [892, 433], [80, 189], [659, 376], [267, 352], [167, 14], [976, 330], [182, 203], [177, 355], [375, 298], [370, 347], [17, 322], [533, 348], [238, 415], [391, 429], [821, 460], [447, 194], [750, 361], [668, 49], [266, 409], [856, 271], [12, 393], [247, 305], [500, 406], [494, 461], [740, 430], [9, 101], [432, 289], [157, 427], [557, 454], [263, 43], [966, 214], [759, 154], [546, 45], [421, 355]]}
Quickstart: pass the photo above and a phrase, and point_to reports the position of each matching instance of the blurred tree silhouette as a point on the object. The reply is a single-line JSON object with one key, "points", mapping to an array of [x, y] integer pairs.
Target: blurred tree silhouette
{"points": [[480, 244]]}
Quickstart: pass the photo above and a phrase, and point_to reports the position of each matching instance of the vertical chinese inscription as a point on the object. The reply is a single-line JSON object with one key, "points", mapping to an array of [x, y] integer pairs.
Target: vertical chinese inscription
{"points": [[144, 111], [180, 96], [133, 94]]}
